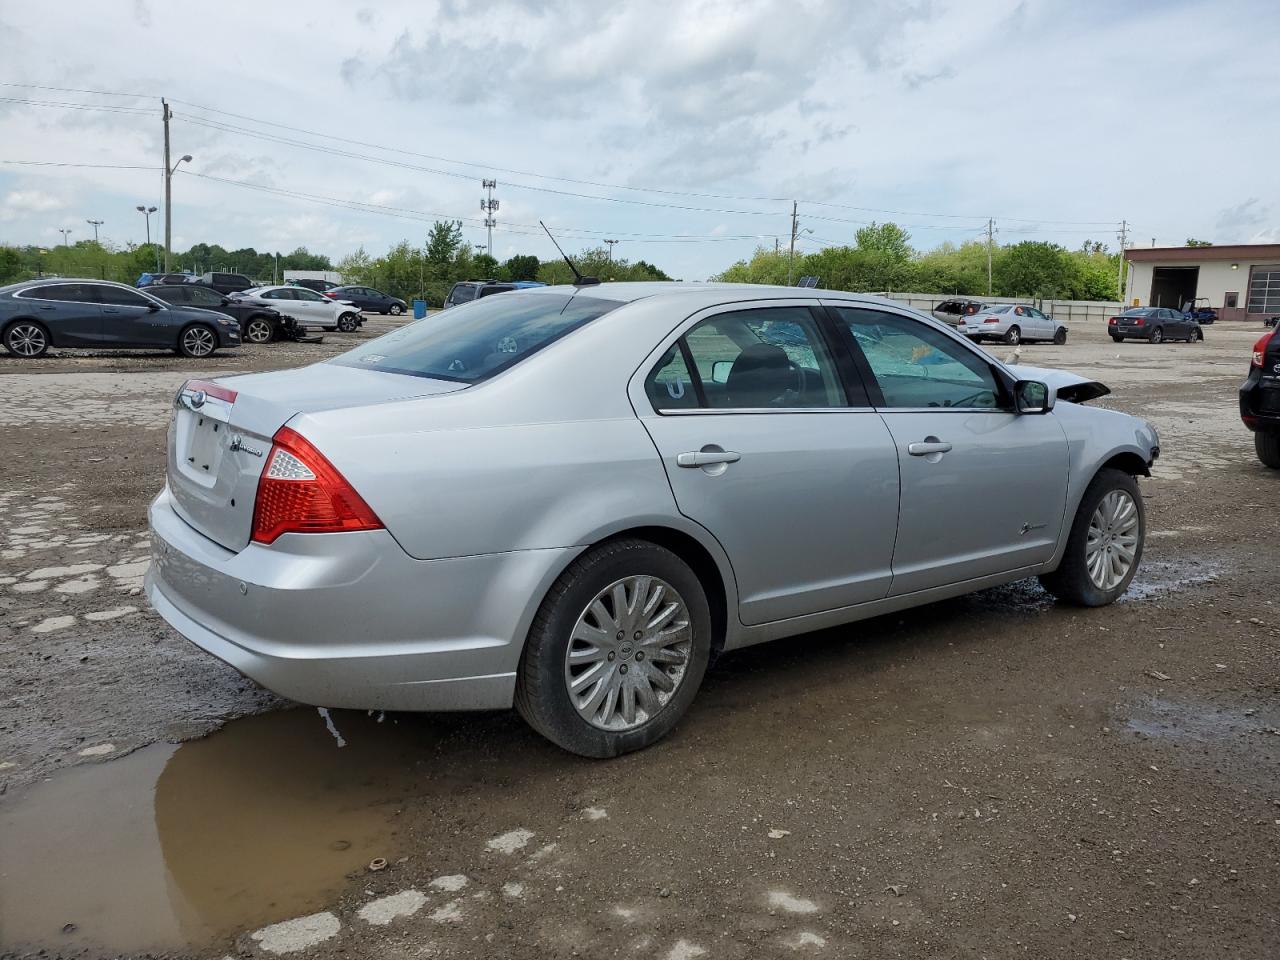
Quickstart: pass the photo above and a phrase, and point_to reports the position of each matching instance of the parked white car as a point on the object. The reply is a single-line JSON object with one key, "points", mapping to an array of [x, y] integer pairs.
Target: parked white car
{"points": [[1012, 323], [310, 308]]}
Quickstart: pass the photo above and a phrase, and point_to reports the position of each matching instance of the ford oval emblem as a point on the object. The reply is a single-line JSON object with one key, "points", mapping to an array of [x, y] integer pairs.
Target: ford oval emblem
{"points": [[198, 398]]}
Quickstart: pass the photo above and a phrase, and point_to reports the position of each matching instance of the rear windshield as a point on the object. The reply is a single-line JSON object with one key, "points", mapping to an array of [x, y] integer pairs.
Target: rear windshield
{"points": [[480, 339], [1140, 312], [998, 308]]}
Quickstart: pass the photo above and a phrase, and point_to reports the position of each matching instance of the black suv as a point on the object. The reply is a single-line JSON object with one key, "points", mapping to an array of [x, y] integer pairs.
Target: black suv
{"points": [[1260, 398], [259, 321], [226, 282]]}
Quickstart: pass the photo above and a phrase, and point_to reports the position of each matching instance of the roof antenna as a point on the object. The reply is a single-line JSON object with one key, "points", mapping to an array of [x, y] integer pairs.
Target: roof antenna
{"points": [[578, 279]]}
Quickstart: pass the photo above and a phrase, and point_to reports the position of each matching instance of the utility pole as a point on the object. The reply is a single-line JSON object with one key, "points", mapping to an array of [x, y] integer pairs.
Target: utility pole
{"points": [[95, 224], [489, 205], [66, 232], [791, 256], [168, 192], [991, 234], [1123, 236], [611, 243]]}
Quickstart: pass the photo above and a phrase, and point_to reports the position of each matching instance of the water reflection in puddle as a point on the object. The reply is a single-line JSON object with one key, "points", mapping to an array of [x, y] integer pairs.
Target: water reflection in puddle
{"points": [[174, 845]]}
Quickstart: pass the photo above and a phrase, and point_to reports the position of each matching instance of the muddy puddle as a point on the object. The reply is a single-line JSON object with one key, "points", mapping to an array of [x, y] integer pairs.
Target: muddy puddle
{"points": [[172, 846]]}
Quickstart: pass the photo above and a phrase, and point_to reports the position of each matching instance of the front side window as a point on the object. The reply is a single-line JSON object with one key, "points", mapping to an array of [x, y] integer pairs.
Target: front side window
{"points": [[204, 297], [485, 339], [918, 367], [302, 293]]}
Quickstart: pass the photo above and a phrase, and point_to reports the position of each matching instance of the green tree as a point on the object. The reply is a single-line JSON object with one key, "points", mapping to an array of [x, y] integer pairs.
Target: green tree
{"points": [[1035, 268], [1192, 242], [11, 265], [485, 265], [887, 239], [444, 241], [522, 266]]}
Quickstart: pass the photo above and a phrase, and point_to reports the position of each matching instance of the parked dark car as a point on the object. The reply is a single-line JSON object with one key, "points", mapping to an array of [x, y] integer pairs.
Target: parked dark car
{"points": [[368, 299], [1260, 398], [1155, 324], [467, 290], [40, 314], [259, 321], [226, 282], [319, 286]]}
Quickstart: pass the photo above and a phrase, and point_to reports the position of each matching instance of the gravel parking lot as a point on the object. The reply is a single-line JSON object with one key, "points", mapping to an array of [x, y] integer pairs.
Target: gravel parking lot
{"points": [[993, 776]]}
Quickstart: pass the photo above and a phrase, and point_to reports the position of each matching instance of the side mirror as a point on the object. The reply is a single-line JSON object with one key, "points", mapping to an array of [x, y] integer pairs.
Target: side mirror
{"points": [[720, 371], [225, 301], [1032, 397], [153, 307]]}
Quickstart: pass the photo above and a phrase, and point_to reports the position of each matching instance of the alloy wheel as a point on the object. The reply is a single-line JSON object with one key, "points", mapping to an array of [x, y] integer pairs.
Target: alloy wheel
{"points": [[258, 331], [1112, 541], [628, 653], [198, 342], [396, 309], [347, 323], [27, 340]]}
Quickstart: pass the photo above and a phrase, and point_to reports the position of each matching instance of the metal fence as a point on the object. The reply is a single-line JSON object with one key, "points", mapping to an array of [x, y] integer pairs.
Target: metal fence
{"points": [[1068, 311]]}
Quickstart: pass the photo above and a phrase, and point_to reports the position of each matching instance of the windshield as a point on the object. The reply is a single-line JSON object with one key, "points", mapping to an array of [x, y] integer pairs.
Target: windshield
{"points": [[480, 339], [462, 293]]}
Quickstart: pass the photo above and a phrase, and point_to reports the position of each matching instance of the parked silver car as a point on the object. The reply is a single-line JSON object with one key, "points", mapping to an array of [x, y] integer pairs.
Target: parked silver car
{"points": [[1012, 323], [570, 498]]}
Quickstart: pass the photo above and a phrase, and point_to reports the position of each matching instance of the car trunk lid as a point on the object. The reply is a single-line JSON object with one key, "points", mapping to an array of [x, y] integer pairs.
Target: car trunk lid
{"points": [[221, 433]]}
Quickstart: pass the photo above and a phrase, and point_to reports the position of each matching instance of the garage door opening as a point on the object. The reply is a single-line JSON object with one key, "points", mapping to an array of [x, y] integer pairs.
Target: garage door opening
{"points": [[1174, 287]]}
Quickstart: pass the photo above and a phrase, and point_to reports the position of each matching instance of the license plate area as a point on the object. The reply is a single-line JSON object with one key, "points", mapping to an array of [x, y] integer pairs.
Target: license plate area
{"points": [[201, 455]]}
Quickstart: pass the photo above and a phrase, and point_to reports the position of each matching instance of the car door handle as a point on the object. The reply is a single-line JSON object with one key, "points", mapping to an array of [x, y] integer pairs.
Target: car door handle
{"points": [[705, 458], [928, 447]]}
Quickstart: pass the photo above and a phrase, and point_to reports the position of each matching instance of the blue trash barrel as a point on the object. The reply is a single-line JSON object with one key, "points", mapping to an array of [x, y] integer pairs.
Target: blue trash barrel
{"points": [[419, 309]]}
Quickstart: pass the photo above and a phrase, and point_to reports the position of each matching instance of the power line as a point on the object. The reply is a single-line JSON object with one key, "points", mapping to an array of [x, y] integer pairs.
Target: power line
{"points": [[956, 216], [100, 107], [96, 166], [100, 93]]}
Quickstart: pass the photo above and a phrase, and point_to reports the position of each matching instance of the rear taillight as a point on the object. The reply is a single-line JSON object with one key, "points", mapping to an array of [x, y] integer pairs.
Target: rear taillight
{"points": [[970, 310], [302, 492], [1113, 321], [332, 296], [1139, 321], [1260, 350]]}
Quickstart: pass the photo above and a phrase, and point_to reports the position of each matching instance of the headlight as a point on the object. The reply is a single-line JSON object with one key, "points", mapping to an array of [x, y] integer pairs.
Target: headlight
{"points": [[225, 321]]}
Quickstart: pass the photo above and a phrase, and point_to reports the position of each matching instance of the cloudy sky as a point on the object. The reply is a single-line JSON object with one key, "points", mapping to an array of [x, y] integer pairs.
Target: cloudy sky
{"points": [[683, 129]]}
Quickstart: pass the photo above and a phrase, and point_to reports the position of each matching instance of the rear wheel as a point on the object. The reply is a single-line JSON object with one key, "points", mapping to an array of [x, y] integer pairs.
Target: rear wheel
{"points": [[197, 340], [1014, 335], [1116, 338], [1105, 545], [1268, 447], [27, 339], [617, 651], [258, 330], [1156, 335], [1060, 336], [348, 323]]}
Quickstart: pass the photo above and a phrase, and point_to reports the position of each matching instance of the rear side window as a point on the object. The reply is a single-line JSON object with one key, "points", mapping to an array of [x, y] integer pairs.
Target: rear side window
{"points": [[65, 292], [486, 338]]}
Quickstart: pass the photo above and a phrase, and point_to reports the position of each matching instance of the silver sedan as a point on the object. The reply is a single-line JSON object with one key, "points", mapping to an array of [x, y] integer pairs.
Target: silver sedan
{"points": [[570, 498]]}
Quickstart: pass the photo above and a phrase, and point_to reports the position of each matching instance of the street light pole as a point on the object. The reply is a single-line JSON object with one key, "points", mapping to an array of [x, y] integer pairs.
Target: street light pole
{"points": [[95, 224], [168, 184], [147, 212], [65, 233], [611, 243]]}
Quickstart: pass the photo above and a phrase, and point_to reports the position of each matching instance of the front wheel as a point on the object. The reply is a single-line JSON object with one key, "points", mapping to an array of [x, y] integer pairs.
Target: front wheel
{"points": [[258, 330], [1060, 336], [1268, 447], [27, 339], [396, 309], [1105, 545], [617, 651], [1197, 336], [348, 323], [197, 341], [1014, 335]]}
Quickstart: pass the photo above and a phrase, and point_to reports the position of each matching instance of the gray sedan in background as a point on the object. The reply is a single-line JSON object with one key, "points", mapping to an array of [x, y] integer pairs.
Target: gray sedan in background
{"points": [[570, 498], [1012, 323]]}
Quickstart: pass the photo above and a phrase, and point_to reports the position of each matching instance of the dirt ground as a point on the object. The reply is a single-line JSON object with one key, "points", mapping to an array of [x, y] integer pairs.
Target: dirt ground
{"points": [[994, 776]]}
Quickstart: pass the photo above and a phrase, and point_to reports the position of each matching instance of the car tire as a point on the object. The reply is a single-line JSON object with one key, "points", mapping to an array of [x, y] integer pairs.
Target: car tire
{"points": [[569, 621], [259, 330], [348, 323], [1099, 533], [1197, 336], [1060, 336], [1013, 335], [1156, 335], [27, 339], [1117, 339], [396, 309], [1267, 446], [197, 340]]}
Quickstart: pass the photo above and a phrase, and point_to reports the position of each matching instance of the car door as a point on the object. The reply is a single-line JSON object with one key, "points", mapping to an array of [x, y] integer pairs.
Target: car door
{"points": [[1043, 326], [131, 320], [69, 311], [766, 447], [983, 488], [318, 309]]}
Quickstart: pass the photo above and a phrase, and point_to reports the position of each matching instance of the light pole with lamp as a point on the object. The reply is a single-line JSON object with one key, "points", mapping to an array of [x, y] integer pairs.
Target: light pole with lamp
{"points": [[168, 196], [66, 232], [147, 212], [95, 224]]}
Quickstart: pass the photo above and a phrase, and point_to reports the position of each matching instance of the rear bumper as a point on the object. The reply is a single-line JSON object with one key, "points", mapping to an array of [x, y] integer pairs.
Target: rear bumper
{"points": [[350, 620], [1260, 403]]}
